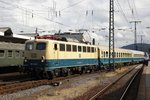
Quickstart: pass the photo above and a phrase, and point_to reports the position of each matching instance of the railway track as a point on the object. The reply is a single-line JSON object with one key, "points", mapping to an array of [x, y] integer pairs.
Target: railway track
{"points": [[121, 89], [18, 85], [23, 85]]}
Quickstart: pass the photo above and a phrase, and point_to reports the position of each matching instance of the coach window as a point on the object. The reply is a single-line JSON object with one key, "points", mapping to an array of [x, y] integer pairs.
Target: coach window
{"points": [[29, 46], [17, 54], [84, 49], [102, 54], [79, 48], [106, 53], [2, 53], [92, 49], [68, 47], [10, 53], [62, 47], [88, 49]]}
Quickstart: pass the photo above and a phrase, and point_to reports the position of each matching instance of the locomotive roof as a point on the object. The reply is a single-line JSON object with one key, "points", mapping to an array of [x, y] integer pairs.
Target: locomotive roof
{"points": [[55, 41], [82, 44]]}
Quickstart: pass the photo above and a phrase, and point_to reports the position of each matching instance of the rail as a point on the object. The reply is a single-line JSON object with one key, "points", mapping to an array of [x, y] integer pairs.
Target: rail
{"points": [[101, 92]]}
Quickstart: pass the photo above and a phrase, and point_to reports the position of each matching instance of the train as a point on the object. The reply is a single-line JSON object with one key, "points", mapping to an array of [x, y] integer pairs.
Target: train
{"points": [[51, 58], [11, 56]]}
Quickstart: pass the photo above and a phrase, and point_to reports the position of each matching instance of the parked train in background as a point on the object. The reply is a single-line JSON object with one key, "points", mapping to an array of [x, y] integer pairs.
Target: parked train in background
{"points": [[49, 58], [11, 56]]}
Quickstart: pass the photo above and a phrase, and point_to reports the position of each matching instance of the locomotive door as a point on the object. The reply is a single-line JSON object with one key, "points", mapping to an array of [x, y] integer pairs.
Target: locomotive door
{"points": [[56, 54]]}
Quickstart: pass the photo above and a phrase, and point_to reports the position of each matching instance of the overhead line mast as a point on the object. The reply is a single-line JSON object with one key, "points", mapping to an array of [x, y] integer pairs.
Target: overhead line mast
{"points": [[135, 33], [111, 36]]}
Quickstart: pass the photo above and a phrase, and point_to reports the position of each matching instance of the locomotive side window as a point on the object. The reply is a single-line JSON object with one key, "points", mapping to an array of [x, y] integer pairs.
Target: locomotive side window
{"points": [[41, 46], [62, 47], [29, 46], [2, 53], [79, 48], [10, 53], [74, 48], [84, 49], [55, 46], [68, 47]]}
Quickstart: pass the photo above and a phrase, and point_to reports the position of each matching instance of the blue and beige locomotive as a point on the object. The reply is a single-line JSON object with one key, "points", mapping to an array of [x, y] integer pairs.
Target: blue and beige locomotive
{"points": [[51, 58]]}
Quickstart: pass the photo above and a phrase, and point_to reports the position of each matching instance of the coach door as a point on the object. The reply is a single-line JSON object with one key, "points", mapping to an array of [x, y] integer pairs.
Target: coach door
{"points": [[99, 64]]}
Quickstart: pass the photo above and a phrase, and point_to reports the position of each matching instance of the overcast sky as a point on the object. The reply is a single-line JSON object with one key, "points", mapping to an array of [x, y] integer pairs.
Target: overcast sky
{"points": [[26, 15]]}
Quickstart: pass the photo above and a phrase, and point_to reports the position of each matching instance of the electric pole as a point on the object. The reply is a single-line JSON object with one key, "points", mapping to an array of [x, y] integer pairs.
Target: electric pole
{"points": [[135, 34], [111, 35], [141, 42]]}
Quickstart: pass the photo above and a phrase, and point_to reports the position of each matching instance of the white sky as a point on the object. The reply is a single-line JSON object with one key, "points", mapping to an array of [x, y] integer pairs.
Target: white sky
{"points": [[26, 15]]}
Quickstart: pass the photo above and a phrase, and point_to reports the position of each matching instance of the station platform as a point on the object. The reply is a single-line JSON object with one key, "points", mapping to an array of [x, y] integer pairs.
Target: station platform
{"points": [[144, 86]]}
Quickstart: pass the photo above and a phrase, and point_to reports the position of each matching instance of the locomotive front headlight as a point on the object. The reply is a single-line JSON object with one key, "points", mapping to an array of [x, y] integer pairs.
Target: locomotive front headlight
{"points": [[43, 59], [25, 59]]}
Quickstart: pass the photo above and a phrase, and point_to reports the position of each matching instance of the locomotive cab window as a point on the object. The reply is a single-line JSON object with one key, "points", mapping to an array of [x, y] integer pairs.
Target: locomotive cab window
{"points": [[41, 46], [29, 46], [2, 53]]}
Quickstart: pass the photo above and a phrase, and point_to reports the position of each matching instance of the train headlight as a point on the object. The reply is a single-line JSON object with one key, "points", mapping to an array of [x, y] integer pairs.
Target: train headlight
{"points": [[43, 59], [25, 59]]}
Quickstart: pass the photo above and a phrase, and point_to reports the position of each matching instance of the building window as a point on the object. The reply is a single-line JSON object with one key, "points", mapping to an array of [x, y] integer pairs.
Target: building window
{"points": [[68, 47], [62, 47], [74, 47]]}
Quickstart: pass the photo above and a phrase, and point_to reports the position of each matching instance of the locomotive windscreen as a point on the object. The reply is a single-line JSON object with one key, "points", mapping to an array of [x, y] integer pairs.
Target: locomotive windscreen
{"points": [[41, 46]]}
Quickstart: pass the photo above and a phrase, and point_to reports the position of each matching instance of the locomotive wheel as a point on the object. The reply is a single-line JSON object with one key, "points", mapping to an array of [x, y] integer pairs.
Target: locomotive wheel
{"points": [[50, 75]]}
